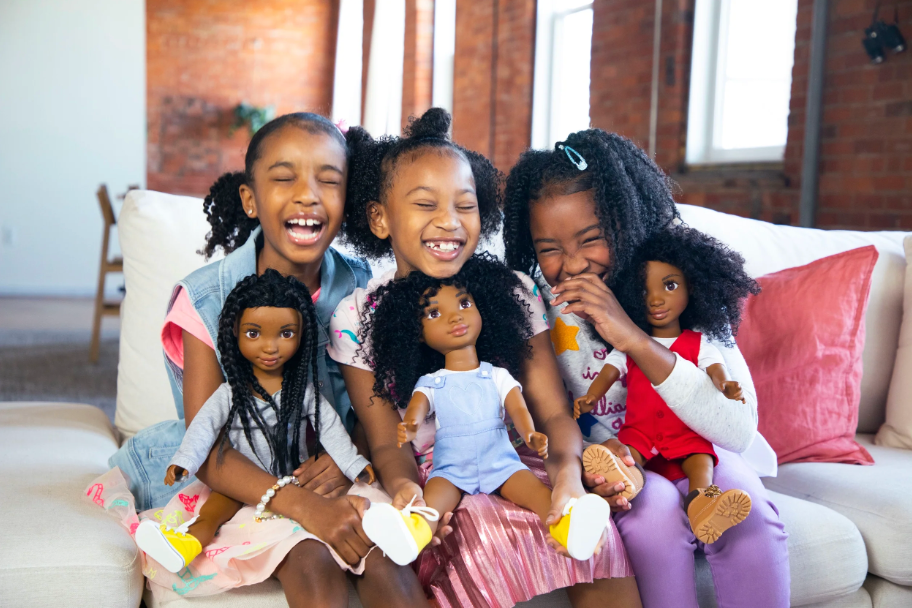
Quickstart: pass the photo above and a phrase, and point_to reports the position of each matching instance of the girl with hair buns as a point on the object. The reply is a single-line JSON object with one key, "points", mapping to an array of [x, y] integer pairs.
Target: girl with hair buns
{"points": [[427, 202]]}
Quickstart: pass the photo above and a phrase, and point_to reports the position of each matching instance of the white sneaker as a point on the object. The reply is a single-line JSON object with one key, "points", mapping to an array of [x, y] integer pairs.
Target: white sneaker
{"points": [[401, 535]]}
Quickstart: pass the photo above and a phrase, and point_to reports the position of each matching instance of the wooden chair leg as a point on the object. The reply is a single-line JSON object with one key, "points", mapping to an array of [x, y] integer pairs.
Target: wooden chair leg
{"points": [[99, 303]]}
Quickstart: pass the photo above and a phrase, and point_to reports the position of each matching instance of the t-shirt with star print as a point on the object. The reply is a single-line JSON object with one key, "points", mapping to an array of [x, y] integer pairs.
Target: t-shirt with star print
{"points": [[345, 335]]}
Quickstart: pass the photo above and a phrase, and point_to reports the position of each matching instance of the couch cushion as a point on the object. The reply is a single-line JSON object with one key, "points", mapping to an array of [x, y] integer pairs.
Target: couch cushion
{"points": [[59, 549], [875, 498], [885, 594], [896, 432], [770, 248]]}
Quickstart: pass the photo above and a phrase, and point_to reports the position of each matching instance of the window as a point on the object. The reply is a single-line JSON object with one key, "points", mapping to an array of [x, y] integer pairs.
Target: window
{"points": [[444, 54], [741, 78], [563, 50]]}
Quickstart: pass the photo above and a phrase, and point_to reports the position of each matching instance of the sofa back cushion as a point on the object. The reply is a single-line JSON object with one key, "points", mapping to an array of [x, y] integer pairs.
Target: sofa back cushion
{"points": [[769, 248]]}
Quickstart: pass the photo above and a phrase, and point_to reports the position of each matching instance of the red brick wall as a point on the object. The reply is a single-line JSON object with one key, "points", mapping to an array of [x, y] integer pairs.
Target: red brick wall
{"points": [[866, 151], [203, 57], [418, 60], [508, 65]]}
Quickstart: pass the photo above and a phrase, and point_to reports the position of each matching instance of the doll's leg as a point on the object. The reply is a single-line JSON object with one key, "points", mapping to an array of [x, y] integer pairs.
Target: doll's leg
{"points": [[699, 471], [217, 510], [711, 511], [443, 496], [523, 488]]}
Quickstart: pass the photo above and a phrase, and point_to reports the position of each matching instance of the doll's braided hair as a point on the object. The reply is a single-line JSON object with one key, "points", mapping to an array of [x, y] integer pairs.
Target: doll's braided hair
{"points": [[717, 283], [230, 226], [633, 197], [284, 439], [393, 327], [372, 169]]}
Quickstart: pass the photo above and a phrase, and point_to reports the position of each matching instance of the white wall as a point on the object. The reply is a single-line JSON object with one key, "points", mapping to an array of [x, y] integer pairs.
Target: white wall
{"points": [[72, 116]]}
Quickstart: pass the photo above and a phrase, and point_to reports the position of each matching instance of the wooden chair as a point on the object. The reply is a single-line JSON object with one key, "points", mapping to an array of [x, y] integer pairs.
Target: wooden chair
{"points": [[103, 308]]}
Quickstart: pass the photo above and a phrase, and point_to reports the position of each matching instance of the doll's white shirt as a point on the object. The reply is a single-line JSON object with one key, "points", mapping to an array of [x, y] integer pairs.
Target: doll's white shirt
{"points": [[501, 378], [709, 355]]}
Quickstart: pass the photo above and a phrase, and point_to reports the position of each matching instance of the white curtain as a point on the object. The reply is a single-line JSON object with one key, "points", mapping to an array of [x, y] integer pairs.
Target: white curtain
{"points": [[347, 79], [383, 103]]}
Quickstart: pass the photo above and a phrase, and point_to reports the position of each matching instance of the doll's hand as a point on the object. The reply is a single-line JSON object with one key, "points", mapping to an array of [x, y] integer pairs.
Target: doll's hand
{"points": [[582, 405], [538, 442], [371, 476], [411, 489], [732, 390], [596, 483], [173, 473], [406, 432], [590, 299], [322, 476]]}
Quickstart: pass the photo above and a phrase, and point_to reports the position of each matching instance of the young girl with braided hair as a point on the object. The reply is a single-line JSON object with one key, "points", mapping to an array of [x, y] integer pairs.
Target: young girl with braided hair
{"points": [[574, 216], [427, 202], [281, 212]]}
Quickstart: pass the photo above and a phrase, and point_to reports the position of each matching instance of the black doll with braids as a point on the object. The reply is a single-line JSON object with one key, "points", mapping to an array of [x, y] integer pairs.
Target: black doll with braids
{"points": [[394, 327], [717, 283], [271, 289], [373, 164], [633, 197]]}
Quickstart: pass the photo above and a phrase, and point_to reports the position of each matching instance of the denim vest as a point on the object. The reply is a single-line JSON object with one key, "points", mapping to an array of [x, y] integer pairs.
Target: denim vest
{"points": [[145, 456]]}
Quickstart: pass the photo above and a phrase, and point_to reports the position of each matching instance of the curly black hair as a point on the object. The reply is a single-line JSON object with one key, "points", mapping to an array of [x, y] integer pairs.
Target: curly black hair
{"points": [[392, 325], [633, 197], [271, 289], [372, 169], [230, 226], [716, 281]]}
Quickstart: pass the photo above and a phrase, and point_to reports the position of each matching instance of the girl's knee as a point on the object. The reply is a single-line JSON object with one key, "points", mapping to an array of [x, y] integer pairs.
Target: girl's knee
{"points": [[310, 560]]}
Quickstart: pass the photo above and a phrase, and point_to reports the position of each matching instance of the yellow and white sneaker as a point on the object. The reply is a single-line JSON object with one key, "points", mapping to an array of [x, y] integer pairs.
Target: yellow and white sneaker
{"points": [[580, 529], [401, 535], [173, 548]]}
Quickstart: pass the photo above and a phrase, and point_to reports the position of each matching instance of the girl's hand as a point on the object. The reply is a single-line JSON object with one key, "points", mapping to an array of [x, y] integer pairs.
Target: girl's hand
{"points": [[337, 522], [732, 390], [322, 476], [560, 494], [590, 299], [582, 405], [406, 432], [405, 494], [596, 483], [538, 442]]}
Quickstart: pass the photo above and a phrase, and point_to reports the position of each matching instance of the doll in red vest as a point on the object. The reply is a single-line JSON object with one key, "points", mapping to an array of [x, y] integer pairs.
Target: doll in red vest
{"points": [[682, 287]]}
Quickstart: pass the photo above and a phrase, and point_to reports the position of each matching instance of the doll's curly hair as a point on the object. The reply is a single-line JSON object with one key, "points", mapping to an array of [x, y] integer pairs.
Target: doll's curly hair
{"points": [[271, 289], [372, 168], [392, 325], [716, 281], [633, 197]]}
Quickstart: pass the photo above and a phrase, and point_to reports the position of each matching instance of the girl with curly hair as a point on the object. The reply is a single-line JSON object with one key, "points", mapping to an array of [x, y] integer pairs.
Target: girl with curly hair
{"points": [[679, 280], [470, 330], [575, 217], [281, 212], [428, 202], [268, 344]]}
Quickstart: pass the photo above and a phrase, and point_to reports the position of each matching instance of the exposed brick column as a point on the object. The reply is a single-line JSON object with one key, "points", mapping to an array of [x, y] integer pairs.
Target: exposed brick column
{"points": [[366, 34], [418, 61]]}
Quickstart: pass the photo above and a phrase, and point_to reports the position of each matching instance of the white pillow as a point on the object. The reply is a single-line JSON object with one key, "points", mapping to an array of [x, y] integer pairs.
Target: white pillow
{"points": [[769, 248], [159, 237], [896, 432]]}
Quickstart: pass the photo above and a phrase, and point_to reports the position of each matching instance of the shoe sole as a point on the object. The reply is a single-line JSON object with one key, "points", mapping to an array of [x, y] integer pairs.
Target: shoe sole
{"points": [[150, 539], [599, 460], [588, 519], [732, 508], [383, 524]]}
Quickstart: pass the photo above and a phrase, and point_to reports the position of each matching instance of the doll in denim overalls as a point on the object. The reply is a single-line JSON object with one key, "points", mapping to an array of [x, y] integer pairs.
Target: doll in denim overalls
{"points": [[468, 400]]}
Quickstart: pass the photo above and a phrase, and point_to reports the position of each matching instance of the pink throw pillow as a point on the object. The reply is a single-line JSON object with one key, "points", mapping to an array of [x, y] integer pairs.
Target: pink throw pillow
{"points": [[802, 338]]}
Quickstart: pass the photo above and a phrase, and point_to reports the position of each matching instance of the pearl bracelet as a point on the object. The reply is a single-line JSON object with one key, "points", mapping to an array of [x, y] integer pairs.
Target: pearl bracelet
{"points": [[260, 514]]}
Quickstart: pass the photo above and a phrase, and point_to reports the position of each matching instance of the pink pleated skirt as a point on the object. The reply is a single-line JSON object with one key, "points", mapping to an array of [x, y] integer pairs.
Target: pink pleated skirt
{"points": [[497, 554]]}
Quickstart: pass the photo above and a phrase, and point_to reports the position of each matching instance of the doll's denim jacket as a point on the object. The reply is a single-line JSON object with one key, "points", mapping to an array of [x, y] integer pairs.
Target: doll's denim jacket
{"points": [[145, 456]]}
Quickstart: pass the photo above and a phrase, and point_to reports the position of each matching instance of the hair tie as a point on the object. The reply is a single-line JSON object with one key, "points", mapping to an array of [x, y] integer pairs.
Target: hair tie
{"points": [[343, 128], [579, 162]]}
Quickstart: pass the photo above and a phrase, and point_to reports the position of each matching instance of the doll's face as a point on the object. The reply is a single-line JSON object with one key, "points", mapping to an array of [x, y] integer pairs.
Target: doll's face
{"points": [[451, 320], [666, 295], [268, 337]]}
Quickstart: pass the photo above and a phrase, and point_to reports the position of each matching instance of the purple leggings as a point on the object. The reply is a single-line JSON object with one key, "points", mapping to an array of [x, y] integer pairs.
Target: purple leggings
{"points": [[749, 563]]}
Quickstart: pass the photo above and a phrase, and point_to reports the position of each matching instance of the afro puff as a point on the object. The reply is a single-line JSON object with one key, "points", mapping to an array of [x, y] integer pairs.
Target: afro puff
{"points": [[394, 330], [372, 169], [633, 197], [716, 281]]}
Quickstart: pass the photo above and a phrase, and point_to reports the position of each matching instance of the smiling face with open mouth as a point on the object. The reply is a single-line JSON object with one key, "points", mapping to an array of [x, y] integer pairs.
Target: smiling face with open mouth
{"points": [[430, 213], [298, 195]]}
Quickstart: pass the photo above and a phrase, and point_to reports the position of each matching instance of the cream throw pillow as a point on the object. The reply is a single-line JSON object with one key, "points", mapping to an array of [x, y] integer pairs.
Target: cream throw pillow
{"points": [[897, 430]]}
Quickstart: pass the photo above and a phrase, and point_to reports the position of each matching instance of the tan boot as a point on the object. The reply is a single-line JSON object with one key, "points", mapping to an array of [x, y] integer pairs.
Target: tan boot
{"points": [[712, 512], [599, 460]]}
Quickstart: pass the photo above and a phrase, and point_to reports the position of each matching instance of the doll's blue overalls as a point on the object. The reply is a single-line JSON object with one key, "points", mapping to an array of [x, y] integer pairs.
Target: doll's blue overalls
{"points": [[472, 449]]}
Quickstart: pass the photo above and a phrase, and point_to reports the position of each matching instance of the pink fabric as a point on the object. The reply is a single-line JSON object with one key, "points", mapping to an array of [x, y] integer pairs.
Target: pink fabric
{"points": [[497, 554], [802, 338], [244, 552], [183, 317]]}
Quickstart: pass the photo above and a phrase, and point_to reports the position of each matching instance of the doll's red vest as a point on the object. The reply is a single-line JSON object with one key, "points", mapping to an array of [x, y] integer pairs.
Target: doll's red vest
{"points": [[651, 427]]}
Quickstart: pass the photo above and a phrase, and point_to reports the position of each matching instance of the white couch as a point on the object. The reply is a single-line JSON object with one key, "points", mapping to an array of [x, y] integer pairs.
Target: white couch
{"points": [[850, 528]]}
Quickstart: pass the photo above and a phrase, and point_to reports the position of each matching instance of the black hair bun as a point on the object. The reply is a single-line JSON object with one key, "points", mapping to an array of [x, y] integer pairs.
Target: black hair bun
{"points": [[433, 123]]}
